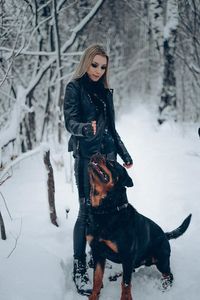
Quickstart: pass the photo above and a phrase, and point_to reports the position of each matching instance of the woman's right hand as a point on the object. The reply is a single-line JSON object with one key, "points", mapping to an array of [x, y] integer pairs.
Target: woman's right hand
{"points": [[94, 126], [89, 129]]}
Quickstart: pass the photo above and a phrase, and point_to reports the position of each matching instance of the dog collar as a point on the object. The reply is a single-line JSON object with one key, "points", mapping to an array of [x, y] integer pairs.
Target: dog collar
{"points": [[100, 211], [122, 206]]}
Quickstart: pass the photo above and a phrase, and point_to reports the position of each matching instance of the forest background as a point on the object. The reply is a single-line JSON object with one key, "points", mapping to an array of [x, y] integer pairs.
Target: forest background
{"points": [[154, 49]]}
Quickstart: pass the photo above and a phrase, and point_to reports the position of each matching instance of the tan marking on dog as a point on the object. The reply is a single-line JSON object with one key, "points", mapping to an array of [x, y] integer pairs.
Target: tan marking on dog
{"points": [[110, 244], [126, 292], [100, 188], [97, 281]]}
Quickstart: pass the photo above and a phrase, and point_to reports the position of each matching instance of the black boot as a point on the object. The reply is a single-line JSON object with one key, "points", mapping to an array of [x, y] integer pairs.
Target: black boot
{"points": [[81, 278], [166, 281]]}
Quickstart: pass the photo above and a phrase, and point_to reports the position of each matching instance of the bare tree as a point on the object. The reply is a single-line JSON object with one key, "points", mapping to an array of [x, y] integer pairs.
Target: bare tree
{"points": [[43, 69]]}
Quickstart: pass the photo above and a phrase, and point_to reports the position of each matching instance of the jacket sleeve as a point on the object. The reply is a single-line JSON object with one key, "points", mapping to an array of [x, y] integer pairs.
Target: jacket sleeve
{"points": [[121, 149], [72, 113]]}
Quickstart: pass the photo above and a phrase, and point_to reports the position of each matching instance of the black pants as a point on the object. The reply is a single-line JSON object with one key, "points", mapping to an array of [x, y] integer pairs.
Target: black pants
{"points": [[82, 181]]}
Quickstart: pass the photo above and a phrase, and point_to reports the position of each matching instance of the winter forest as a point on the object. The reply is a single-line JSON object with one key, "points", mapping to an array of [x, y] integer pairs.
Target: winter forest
{"points": [[153, 46], [154, 52]]}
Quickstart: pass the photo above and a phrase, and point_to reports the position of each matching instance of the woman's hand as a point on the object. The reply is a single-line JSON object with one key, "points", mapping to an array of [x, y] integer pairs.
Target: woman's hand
{"points": [[94, 126], [128, 162], [89, 129], [128, 165]]}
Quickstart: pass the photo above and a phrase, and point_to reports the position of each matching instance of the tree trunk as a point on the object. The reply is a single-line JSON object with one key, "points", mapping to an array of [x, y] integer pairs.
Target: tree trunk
{"points": [[51, 188], [60, 88], [167, 107], [156, 10], [3, 231]]}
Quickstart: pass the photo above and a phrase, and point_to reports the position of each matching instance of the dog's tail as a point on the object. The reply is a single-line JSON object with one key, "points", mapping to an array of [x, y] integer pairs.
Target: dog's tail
{"points": [[174, 234]]}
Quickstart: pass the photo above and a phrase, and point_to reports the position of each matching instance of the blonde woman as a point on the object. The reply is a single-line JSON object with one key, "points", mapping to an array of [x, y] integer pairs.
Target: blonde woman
{"points": [[89, 117]]}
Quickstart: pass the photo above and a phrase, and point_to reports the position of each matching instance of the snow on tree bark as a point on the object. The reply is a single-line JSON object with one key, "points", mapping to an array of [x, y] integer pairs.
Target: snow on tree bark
{"points": [[164, 23], [156, 8], [10, 132], [168, 103]]}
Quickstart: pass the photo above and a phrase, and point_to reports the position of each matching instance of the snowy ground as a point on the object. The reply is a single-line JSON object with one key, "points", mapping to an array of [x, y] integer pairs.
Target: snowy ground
{"points": [[166, 174]]}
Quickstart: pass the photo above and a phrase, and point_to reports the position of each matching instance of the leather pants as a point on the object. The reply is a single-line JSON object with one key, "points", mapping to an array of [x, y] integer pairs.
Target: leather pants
{"points": [[82, 181]]}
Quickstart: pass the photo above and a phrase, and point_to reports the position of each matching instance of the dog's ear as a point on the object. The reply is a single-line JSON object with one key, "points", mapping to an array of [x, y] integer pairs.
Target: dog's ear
{"points": [[124, 178]]}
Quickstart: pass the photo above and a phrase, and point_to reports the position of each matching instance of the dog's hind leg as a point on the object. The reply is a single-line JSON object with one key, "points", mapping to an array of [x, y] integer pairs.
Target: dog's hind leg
{"points": [[99, 266], [163, 264]]}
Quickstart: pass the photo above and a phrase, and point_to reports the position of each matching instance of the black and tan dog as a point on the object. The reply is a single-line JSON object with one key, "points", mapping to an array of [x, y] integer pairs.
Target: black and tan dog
{"points": [[118, 232]]}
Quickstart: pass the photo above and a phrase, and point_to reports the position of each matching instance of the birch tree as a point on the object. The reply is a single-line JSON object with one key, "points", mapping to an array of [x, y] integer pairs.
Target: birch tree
{"points": [[168, 101], [188, 60], [164, 24]]}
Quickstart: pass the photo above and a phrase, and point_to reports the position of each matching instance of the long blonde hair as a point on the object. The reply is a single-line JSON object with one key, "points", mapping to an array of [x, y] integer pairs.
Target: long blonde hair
{"points": [[86, 61]]}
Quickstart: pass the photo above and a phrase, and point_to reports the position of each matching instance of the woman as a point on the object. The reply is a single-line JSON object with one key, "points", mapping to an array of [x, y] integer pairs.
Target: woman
{"points": [[89, 117]]}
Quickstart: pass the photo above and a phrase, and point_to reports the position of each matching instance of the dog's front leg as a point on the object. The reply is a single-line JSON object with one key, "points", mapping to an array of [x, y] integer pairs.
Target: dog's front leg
{"points": [[99, 266], [126, 280], [97, 278]]}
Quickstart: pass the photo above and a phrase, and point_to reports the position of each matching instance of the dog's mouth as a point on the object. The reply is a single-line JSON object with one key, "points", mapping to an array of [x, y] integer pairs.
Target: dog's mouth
{"points": [[99, 171]]}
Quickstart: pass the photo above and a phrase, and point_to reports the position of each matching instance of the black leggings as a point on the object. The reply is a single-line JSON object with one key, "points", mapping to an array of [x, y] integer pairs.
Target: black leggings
{"points": [[82, 181]]}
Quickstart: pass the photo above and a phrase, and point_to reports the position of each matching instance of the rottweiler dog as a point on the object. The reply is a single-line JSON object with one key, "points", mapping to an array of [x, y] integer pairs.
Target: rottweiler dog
{"points": [[116, 231]]}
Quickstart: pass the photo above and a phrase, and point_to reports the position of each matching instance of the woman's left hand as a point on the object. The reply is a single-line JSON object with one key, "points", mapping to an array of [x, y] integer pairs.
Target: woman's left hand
{"points": [[128, 165]]}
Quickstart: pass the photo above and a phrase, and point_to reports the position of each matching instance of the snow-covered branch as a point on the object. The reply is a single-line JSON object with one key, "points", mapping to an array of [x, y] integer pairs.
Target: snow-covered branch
{"points": [[66, 46], [39, 53], [23, 156], [10, 132]]}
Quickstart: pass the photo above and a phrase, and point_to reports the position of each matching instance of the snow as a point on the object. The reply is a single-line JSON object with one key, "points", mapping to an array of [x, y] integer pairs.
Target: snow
{"points": [[36, 258], [10, 131]]}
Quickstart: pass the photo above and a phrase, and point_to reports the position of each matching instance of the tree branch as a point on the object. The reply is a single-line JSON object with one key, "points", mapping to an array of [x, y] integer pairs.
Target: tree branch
{"points": [[66, 46]]}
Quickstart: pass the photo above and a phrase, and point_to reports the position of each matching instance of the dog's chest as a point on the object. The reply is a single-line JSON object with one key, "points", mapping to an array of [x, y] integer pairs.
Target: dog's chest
{"points": [[107, 226]]}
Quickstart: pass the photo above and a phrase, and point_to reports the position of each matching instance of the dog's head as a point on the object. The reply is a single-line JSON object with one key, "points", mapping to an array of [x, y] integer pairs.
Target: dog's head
{"points": [[105, 175]]}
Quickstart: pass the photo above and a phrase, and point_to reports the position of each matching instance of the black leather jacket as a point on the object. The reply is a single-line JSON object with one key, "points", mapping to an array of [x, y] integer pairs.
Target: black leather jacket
{"points": [[79, 110]]}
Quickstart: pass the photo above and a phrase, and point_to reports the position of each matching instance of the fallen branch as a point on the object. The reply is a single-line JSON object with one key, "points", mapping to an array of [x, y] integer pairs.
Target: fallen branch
{"points": [[4, 180], [16, 240], [4, 200]]}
